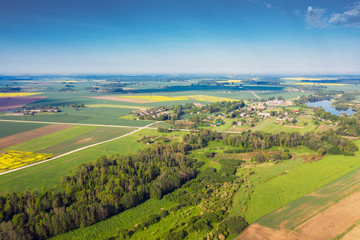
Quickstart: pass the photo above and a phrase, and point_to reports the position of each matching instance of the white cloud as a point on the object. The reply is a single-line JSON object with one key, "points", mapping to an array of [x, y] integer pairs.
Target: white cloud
{"points": [[350, 18], [317, 17]]}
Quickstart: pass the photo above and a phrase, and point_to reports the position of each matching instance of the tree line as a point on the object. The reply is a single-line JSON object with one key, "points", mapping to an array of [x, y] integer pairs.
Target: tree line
{"points": [[325, 142], [95, 192], [112, 184]]}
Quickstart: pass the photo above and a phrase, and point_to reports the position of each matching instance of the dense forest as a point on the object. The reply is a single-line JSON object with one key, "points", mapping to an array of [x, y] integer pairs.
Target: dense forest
{"points": [[326, 142], [95, 192], [112, 184]]}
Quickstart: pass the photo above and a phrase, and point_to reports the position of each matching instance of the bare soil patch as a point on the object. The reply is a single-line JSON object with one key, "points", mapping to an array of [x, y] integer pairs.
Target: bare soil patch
{"points": [[312, 158], [326, 127], [85, 140], [333, 221], [120, 99], [28, 135], [258, 232]]}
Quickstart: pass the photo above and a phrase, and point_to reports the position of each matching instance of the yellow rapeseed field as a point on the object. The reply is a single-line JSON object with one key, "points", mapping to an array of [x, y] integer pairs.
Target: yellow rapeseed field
{"points": [[324, 84], [20, 94], [14, 159], [157, 98]]}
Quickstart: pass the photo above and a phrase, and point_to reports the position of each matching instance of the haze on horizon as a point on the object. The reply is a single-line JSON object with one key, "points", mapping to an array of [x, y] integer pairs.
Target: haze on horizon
{"points": [[173, 36]]}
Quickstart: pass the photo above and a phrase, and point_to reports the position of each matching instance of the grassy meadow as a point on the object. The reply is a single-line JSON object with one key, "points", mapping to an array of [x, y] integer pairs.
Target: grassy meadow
{"points": [[294, 213], [269, 125], [280, 184]]}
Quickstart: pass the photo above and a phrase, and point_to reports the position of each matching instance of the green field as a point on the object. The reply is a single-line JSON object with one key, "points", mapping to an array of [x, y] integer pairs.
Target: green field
{"points": [[95, 135], [37, 144], [106, 116], [278, 187], [110, 227], [11, 128], [294, 213], [49, 173], [268, 125], [286, 95]]}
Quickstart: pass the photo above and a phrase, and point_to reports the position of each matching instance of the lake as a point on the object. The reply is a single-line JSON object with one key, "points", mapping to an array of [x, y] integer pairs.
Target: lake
{"points": [[326, 105]]}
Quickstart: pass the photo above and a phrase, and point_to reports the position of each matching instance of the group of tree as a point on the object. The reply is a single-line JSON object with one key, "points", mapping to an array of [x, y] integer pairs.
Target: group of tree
{"points": [[112, 184], [95, 192], [346, 126], [329, 141]]}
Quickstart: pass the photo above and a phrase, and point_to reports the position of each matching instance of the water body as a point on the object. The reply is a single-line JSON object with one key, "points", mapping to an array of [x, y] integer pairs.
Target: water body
{"points": [[326, 105]]}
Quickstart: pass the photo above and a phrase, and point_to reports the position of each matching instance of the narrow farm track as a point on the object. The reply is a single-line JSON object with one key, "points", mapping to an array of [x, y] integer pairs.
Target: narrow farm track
{"points": [[79, 149], [257, 96], [92, 145]]}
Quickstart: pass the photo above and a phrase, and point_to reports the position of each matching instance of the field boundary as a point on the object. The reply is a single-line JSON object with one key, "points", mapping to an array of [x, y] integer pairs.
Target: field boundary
{"points": [[79, 149], [75, 124], [103, 125]]}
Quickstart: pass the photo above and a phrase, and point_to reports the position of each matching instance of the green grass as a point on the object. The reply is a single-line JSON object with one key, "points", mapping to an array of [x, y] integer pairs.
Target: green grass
{"points": [[268, 125], [11, 128], [279, 190], [35, 145], [48, 174], [111, 106], [107, 116], [161, 125], [95, 135], [158, 230], [110, 227], [302, 208], [213, 146], [286, 95], [224, 127]]}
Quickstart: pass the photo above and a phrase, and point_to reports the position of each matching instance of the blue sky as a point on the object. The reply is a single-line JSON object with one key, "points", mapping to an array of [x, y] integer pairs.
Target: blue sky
{"points": [[180, 36]]}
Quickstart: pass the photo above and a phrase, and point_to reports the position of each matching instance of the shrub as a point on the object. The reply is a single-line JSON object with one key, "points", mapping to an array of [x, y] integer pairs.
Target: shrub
{"points": [[233, 225]]}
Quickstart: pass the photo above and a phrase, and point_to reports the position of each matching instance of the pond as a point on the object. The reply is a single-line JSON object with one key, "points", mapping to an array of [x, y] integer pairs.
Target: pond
{"points": [[326, 105]]}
